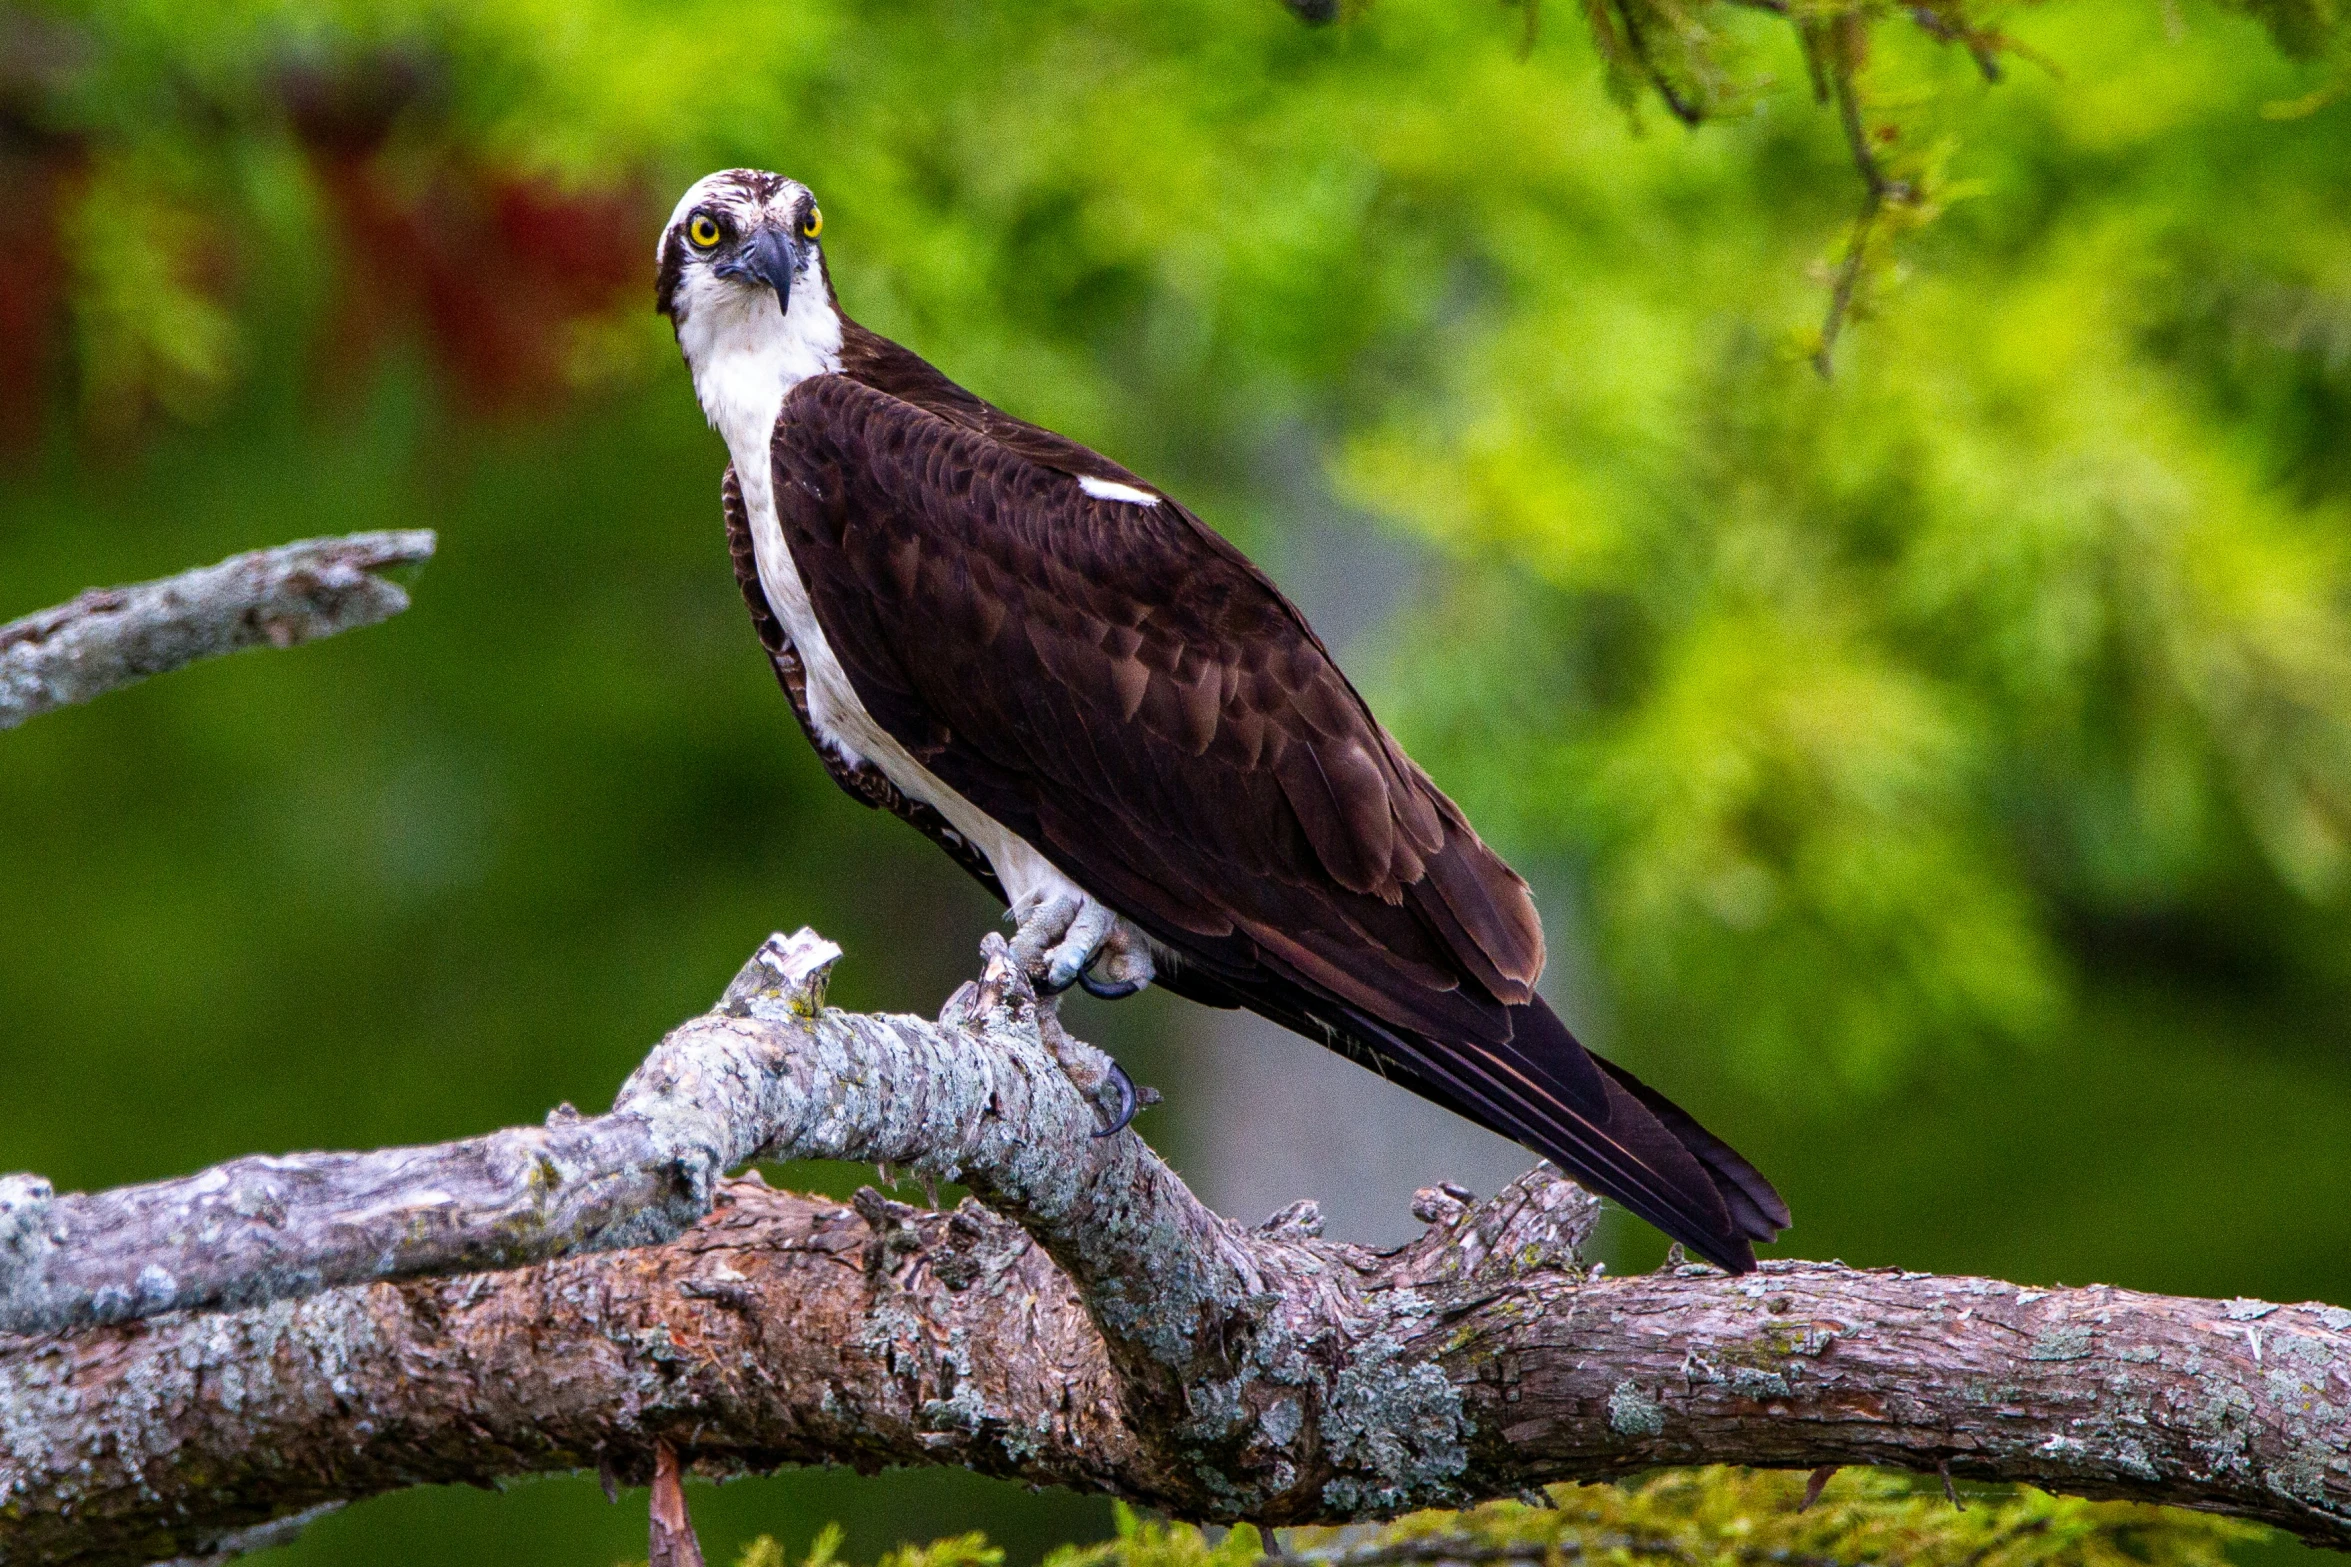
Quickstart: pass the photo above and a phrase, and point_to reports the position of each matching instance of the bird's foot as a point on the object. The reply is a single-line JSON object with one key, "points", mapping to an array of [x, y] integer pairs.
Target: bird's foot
{"points": [[1100, 1079], [1072, 939], [1069, 938]]}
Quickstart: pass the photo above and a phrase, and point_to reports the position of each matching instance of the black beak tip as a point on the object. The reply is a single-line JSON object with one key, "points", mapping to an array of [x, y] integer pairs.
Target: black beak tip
{"points": [[773, 259], [767, 256]]}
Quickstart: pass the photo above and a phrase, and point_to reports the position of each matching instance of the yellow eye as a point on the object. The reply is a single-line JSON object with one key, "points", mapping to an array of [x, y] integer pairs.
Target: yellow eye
{"points": [[703, 230], [813, 224]]}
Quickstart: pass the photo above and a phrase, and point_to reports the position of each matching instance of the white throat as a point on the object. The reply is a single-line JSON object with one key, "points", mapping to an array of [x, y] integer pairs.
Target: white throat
{"points": [[746, 355]]}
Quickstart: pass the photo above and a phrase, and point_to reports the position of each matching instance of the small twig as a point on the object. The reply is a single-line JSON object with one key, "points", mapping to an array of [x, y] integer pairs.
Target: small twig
{"points": [[1879, 189], [1980, 47], [1683, 110], [109, 638], [1848, 278], [673, 1541], [1810, 37], [1815, 1483]]}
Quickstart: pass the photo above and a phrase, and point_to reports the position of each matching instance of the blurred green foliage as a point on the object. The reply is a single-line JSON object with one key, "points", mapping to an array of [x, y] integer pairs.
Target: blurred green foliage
{"points": [[1870, 707], [1939, 774]]}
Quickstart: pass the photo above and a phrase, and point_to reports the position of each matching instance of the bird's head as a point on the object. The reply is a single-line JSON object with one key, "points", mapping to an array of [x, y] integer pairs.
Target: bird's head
{"points": [[742, 278], [740, 236]]}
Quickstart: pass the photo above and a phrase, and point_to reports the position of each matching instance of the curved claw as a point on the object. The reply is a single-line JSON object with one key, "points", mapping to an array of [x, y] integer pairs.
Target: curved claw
{"points": [[1110, 989], [1121, 1088], [1121, 965]]}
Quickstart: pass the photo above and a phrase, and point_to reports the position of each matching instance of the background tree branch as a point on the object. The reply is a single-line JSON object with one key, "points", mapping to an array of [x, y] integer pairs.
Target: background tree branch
{"points": [[109, 638], [1091, 1325]]}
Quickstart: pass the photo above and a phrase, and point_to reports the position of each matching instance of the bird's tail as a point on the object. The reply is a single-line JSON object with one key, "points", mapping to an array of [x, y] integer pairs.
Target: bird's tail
{"points": [[1603, 1126]]}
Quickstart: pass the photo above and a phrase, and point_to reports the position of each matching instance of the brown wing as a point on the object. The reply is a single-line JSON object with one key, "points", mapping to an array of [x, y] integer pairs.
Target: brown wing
{"points": [[1124, 690], [873, 360]]}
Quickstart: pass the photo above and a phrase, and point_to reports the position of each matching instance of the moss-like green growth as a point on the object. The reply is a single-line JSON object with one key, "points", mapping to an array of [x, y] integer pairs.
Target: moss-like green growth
{"points": [[1740, 1515], [1697, 1516]]}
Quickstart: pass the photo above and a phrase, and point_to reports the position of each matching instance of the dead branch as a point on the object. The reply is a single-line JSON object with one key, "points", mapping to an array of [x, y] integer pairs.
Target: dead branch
{"points": [[109, 638], [1091, 1325]]}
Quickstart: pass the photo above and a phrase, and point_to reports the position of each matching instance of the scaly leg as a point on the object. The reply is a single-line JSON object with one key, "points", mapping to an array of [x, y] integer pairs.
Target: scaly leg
{"points": [[1072, 939]]}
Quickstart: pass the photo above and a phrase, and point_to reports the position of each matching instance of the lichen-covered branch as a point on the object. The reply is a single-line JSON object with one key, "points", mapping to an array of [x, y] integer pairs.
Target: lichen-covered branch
{"points": [[114, 637], [1083, 1322], [710, 1097]]}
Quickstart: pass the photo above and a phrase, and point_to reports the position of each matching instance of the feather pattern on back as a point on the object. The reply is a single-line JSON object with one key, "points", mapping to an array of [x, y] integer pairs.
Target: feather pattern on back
{"points": [[1103, 675]]}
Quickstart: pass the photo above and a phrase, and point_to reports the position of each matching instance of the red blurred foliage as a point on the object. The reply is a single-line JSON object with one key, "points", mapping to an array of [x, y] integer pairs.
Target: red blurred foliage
{"points": [[490, 268], [40, 166], [495, 268], [34, 187]]}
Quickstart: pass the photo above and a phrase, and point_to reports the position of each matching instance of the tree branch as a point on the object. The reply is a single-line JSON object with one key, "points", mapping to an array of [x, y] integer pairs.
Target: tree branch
{"points": [[1091, 1325], [114, 637], [710, 1097]]}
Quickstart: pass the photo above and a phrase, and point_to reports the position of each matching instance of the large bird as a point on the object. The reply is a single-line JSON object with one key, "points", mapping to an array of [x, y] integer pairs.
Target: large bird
{"points": [[1119, 725]]}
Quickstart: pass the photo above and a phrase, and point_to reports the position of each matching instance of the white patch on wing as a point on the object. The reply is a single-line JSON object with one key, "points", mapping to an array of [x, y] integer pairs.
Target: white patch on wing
{"points": [[1112, 490]]}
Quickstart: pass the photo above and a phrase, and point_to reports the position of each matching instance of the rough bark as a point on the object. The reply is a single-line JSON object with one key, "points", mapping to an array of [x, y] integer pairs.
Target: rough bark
{"points": [[1086, 1322], [114, 637]]}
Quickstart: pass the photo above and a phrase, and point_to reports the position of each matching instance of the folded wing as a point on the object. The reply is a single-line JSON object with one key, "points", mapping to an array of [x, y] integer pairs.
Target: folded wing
{"points": [[1122, 688]]}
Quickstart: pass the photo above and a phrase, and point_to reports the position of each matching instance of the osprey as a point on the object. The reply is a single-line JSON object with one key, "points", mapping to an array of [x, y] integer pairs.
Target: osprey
{"points": [[1119, 725]]}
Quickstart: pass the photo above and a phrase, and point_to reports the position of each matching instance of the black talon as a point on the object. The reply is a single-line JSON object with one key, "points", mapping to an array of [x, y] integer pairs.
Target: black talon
{"points": [[1109, 990], [1042, 983], [1124, 1087]]}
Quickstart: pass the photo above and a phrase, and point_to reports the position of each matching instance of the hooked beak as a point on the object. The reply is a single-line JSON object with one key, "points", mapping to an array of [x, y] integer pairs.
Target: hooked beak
{"points": [[767, 256]]}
